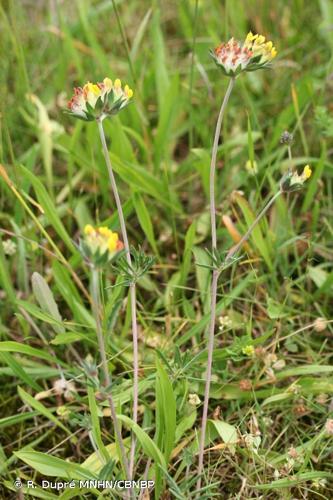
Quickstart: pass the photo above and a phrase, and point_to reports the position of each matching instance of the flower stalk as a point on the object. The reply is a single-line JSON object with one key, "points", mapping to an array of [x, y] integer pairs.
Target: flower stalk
{"points": [[292, 181], [233, 58], [214, 278], [232, 252], [96, 304], [132, 288]]}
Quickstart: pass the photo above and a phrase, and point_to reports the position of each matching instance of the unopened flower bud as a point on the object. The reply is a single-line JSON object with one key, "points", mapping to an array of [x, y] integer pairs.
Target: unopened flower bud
{"points": [[320, 324], [286, 138]]}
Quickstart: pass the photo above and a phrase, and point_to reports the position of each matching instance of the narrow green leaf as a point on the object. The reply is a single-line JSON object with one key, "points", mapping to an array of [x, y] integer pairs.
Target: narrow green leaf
{"points": [[227, 432], [49, 209], [312, 184], [145, 220], [166, 409], [45, 298], [9, 346], [37, 405], [5, 280], [53, 466], [19, 371], [96, 430], [203, 275], [148, 445], [257, 236]]}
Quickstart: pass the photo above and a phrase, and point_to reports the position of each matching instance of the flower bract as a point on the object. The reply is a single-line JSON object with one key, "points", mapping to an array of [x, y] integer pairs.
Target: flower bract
{"points": [[293, 181], [234, 57], [96, 101], [100, 244]]}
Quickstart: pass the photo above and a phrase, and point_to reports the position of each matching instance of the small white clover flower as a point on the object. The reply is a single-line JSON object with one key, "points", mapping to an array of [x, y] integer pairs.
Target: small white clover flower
{"points": [[65, 388], [225, 322], [9, 247], [279, 364], [320, 324]]}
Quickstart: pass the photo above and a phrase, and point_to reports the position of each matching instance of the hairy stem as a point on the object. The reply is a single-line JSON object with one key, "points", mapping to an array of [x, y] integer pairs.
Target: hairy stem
{"points": [[132, 290], [214, 280], [96, 303]]}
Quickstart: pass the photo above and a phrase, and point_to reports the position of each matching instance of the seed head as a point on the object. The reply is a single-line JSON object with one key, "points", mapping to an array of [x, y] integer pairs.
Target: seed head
{"points": [[286, 138], [320, 324]]}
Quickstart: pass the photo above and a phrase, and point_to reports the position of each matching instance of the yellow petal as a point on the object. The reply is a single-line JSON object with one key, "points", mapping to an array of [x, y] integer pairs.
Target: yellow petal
{"points": [[104, 231], [107, 83], [261, 39], [92, 87], [307, 172], [88, 229], [112, 242], [117, 83]]}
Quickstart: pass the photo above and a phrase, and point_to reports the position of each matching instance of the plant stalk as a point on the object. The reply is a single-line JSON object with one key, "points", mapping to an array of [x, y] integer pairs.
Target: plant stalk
{"points": [[233, 251], [214, 279], [96, 304], [132, 290]]}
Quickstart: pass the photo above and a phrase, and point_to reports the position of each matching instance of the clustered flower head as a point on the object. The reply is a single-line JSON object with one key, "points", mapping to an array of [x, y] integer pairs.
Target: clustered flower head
{"points": [[329, 427], [96, 101], [234, 57], [248, 350], [293, 181], [251, 167], [100, 245], [9, 247], [194, 399], [286, 138], [225, 322]]}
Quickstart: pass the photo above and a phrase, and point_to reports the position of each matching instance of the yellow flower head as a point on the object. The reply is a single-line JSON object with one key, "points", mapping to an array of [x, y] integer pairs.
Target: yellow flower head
{"points": [[100, 244], [258, 47], [293, 181], [248, 350], [234, 57], [97, 100]]}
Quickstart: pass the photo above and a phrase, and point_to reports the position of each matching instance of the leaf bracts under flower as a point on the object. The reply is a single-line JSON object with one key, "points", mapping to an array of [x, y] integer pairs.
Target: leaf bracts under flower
{"points": [[100, 245], [98, 100], [292, 181], [233, 57]]}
